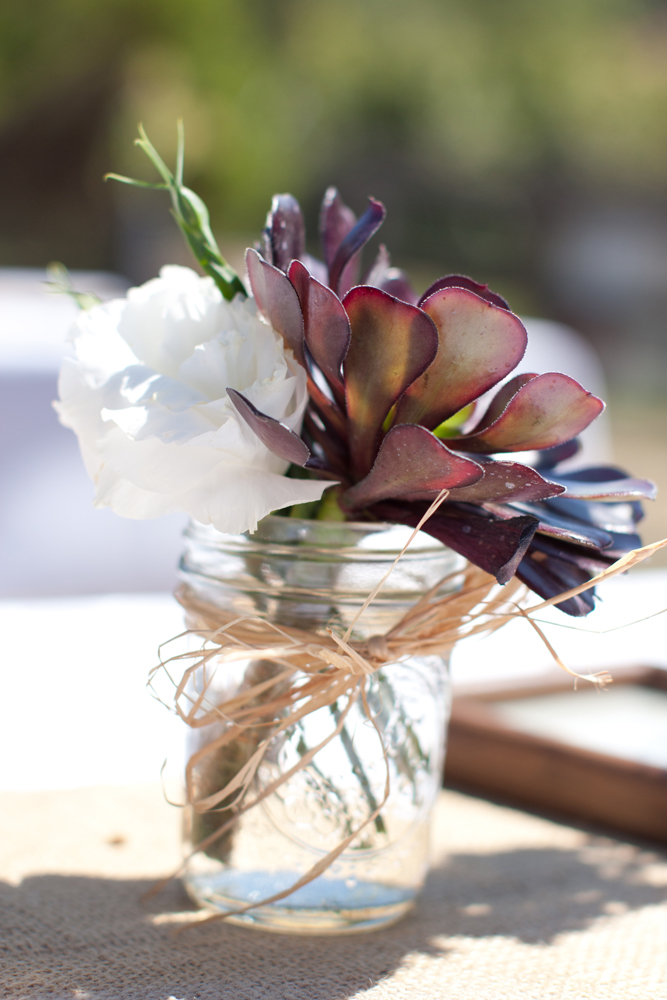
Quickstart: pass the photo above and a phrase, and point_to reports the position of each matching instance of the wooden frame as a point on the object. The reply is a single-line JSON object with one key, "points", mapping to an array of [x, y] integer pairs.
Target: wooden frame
{"points": [[486, 756]]}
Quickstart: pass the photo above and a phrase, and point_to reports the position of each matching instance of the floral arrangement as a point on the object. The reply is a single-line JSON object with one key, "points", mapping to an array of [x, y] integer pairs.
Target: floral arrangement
{"points": [[337, 396], [327, 393]]}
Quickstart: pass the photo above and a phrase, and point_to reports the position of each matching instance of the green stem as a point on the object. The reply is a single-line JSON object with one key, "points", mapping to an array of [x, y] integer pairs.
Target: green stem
{"points": [[190, 213], [329, 508], [358, 769]]}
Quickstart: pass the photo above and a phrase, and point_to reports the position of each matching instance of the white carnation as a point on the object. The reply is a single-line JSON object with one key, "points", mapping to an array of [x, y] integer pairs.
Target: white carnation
{"points": [[146, 397]]}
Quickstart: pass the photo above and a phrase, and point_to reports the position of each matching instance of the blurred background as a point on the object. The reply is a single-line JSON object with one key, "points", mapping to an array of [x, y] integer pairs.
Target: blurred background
{"points": [[523, 143]]}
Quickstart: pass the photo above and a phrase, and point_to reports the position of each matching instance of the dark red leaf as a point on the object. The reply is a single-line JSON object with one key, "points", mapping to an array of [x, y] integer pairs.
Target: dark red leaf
{"points": [[336, 221], [410, 460], [479, 344], [605, 483], [549, 458], [594, 474], [329, 441], [278, 300], [616, 518], [277, 437], [558, 524], [368, 224], [330, 414], [460, 281], [276, 297], [327, 328], [392, 343], [499, 402], [495, 545], [316, 268], [546, 411], [284, 231], [592, 562], [616, 490], [390, 279], [507, 481], [549, 576]]}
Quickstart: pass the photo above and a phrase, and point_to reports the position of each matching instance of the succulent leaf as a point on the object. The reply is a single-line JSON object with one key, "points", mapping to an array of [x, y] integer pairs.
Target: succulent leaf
{"points": [[611, 492], [556, 523], [330, 414], [411, 461], [479, 344], [285, 231], [616, 518], [276, 297], [549, 576], [277, 437], [495, 545], [392, 343], [605, 483], [329, 442], [460, 281], [377, 272], [336, 221], [326, 326], [550, 457], [358, 236], [318, 270], [390, 279], [505, 482], [582, 557], [501, 399], [591, 561], [397, 283], [546, 411]]}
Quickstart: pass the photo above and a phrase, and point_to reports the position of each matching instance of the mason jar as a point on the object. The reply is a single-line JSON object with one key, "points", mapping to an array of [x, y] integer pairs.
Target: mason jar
{"points": [[313, 575]]}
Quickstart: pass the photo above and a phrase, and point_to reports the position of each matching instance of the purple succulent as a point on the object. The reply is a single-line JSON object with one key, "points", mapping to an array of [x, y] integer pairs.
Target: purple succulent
{"points": [[389, 375]]}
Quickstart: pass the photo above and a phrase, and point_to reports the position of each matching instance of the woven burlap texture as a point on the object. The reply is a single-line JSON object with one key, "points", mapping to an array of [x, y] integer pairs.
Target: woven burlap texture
{"points": [[516, 908]]}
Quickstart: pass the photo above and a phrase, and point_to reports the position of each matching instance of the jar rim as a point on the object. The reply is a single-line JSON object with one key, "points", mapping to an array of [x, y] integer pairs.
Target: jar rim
{"points": [[362, 537]]}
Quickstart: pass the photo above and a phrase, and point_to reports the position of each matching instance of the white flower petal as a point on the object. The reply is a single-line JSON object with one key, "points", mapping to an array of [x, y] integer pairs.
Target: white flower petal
{"points": [[99, 347], [166, 318], [244, 496], [147, 398]]}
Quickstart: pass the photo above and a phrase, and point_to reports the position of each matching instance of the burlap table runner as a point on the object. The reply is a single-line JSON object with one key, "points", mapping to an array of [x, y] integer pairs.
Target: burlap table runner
{"points": [[516, 907]]}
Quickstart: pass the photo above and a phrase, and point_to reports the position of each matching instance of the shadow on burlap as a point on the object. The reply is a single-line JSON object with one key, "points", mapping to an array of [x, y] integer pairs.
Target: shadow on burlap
{"points": [[529, 922]]}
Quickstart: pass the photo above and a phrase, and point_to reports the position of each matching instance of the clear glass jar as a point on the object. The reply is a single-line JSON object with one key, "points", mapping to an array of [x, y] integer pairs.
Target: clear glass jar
{"points": [[313, 574]]}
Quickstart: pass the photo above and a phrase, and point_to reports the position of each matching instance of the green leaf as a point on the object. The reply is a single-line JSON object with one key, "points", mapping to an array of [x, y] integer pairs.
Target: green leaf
{"points": [[180, 152], [135, 183], [451, 428], [190, 213], [60, 283]]}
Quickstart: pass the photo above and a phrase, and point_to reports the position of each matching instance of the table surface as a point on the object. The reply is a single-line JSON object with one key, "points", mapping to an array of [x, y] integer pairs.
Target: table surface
{"points": [[515, 908]]}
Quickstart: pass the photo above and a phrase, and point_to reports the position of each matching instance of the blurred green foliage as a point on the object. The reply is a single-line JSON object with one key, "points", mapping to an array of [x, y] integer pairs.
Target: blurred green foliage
{"points": [[475, 120]]}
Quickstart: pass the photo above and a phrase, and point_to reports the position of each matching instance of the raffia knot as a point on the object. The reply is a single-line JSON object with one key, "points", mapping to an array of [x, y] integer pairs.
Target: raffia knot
{"points": [[377, 648]]}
